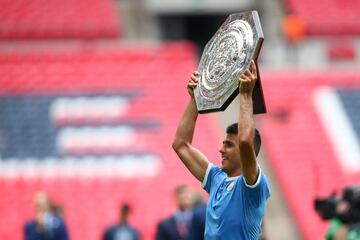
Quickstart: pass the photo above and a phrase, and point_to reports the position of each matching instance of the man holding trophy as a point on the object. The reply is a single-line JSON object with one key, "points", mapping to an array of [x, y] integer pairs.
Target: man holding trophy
{"points": [[238, 189]]}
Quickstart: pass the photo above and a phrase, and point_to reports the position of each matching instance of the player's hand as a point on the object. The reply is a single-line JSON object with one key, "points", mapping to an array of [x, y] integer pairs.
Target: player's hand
{"points": [[248, 79], [193, 82]]}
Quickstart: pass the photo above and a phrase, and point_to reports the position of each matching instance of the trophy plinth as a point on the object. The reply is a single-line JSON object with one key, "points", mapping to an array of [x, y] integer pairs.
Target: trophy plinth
{"points": [[227, 55]]}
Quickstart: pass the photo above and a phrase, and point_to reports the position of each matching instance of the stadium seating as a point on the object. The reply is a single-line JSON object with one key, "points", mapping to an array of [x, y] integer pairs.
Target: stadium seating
{"points": [[341, 49], [298, 143], [39, 91], [56, 19], [327, 17]]}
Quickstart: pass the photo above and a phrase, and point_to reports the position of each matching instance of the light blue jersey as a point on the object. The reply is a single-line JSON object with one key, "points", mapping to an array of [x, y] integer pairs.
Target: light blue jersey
{"points": [[235, 209]]}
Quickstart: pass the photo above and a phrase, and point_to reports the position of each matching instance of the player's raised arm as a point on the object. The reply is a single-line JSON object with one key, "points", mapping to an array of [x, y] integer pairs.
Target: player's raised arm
{"points": [[246, 127], [192, 158]]}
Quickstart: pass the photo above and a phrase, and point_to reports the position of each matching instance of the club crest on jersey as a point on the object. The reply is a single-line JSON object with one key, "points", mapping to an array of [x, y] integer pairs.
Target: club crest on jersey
{"points": [[230, 187]]}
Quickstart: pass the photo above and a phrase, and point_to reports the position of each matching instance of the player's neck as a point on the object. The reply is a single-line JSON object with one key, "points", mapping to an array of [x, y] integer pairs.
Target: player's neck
{"points": [[235, 173]]}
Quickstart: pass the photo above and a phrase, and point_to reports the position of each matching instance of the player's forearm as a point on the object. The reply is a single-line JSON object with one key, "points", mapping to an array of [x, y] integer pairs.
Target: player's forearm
{"points": [[246, 126], [192, 158], [185, 131], [246, 132]]}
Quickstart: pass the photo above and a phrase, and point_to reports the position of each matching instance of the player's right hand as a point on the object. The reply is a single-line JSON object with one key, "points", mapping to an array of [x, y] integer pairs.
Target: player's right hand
{"points": [[193, 82], [248, 79]]}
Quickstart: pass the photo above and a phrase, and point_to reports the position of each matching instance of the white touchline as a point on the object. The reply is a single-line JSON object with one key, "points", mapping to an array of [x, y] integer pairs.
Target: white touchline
{"points": [[338, 128]]}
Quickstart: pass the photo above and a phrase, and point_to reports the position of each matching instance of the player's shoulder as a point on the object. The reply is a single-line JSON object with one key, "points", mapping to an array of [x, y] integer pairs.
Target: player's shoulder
{"points": [[215, 169], [260, 181]]}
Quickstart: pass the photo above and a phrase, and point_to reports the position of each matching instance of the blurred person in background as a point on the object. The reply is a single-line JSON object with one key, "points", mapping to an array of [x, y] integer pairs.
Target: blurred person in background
{"points": [[197, 223], [57, 209], [176, 227], [122, 230], [47, 225], [343, 212], [238, 189]]}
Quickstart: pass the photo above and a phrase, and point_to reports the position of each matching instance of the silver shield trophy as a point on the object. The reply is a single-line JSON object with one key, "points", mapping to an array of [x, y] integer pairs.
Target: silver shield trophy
{"points": [[227, 55]]}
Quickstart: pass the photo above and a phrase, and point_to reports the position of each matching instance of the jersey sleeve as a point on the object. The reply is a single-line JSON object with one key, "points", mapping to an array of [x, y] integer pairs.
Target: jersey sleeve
{"points": [[259, 191], [212, 177]]}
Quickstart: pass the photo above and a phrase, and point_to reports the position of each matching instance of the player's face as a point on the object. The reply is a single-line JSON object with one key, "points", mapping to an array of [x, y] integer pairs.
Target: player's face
{"points": [[230, 155]]}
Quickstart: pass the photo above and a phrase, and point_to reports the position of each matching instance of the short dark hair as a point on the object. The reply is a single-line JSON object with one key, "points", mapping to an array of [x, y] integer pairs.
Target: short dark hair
{"points": [[125, 209], [233, 129]]}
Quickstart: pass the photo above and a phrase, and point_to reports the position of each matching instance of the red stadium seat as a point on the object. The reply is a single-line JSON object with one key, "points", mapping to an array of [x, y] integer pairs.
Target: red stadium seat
{"points": [[341, 50], [327, 17], [55, 19]]}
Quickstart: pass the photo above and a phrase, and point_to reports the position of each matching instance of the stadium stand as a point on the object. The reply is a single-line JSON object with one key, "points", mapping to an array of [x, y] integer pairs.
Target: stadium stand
{"points": [[56, 104], [327, 17], [351, 101], [56, 19], [341, 49], [299, 140], [92, 124]]}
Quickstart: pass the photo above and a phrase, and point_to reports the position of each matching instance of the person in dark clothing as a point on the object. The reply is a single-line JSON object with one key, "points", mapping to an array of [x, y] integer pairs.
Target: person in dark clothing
{"points": [[197, 224], [47, 225], [176, 226], [123, 230]]}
